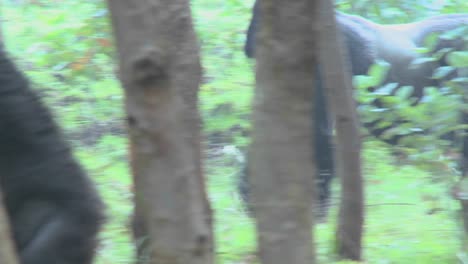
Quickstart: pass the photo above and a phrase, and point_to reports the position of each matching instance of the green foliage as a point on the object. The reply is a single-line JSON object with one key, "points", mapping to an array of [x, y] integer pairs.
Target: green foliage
{"points": [[77, 45], [226, 94], [400, 11], [435, 115], [68, 54], [375, 76]]}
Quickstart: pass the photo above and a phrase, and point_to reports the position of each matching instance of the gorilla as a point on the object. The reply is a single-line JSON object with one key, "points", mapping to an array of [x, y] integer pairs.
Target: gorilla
{"points": [[53, 208], [366, 42]]}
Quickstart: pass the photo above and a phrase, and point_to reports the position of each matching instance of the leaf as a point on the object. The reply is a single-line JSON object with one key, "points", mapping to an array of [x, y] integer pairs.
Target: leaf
{"points": [[442, 72], [458, 59], [387, 89], [460, 80], [422, 50], [405, 92], [418, 61], [379, 110], [431, 41], [379, 71], [361, 82], [440, 53]]}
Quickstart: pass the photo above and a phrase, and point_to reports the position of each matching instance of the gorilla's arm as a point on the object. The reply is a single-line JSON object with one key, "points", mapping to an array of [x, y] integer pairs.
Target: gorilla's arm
{"points": [[54, 210], [420, 30], [250, 40]]}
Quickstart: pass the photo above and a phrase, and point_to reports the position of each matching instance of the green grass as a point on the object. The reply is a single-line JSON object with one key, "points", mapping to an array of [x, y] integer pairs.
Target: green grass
{"points": [[400, 226], [410, 218], [107, 166]]}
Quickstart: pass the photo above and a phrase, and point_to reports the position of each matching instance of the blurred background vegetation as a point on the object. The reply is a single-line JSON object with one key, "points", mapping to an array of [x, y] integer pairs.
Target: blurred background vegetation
{"points": [[66, 49]]}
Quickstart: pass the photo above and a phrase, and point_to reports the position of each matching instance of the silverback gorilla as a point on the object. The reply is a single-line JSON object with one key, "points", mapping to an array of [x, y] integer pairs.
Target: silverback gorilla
{"points": [[366, 42], [54, 210]]}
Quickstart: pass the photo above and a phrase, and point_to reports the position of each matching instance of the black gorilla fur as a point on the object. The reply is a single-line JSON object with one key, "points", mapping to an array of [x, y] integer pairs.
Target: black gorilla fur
{"points": [[366, 42], [54, 210]]}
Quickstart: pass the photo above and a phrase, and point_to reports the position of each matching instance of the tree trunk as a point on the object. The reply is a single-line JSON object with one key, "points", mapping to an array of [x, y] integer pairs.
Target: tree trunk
{"points": [[7, 249], [160, 72], [339, 95], [281, 151]]}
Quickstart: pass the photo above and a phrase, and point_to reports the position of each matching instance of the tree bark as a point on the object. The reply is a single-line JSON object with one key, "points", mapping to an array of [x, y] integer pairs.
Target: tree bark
{"points": [[160, 72], [339, 95], [281, 151], [7, 249]]}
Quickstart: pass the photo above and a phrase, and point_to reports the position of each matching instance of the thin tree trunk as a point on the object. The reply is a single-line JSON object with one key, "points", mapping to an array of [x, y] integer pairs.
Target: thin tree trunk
{"points": [[160, 72], [281, 151], [339, 95], [7, 249]]}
